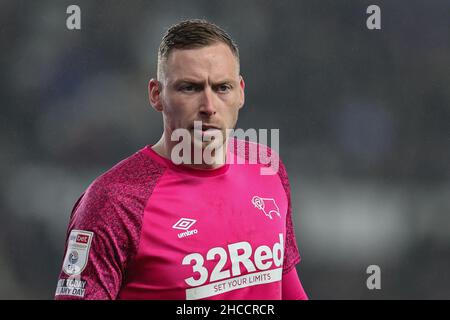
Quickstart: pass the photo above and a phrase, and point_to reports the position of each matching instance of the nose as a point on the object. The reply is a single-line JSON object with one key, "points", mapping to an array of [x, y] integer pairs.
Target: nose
{"points": [[207, 107]]}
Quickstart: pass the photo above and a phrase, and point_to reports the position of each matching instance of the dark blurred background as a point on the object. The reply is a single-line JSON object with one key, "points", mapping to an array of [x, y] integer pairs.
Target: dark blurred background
{"points": [[364, 119]]}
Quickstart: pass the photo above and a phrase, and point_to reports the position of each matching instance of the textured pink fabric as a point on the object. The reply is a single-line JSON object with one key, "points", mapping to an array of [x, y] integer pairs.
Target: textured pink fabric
{"points": [[112, 208], [292, 256], [292, 287], [136, 252]]}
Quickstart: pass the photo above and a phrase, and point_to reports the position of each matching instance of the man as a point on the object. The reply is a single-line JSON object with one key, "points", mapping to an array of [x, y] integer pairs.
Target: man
{"points": [[160, 225]]}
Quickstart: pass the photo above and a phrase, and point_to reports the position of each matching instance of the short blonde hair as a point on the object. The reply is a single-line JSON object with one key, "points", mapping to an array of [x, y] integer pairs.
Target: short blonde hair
{"points": [[190, 34]]}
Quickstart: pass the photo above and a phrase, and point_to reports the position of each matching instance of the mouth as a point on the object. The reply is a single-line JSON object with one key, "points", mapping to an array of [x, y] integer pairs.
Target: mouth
{"points": [[211, 132], [208, 132], [206, 127]]}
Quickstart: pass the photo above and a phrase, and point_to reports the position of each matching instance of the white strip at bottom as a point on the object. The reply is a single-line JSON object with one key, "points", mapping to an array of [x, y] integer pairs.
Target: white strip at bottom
{"points": [[230, 284]]}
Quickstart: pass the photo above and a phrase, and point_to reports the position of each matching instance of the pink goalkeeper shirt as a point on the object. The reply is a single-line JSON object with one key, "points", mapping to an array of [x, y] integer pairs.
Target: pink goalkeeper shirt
{"points": [[150, 229]]}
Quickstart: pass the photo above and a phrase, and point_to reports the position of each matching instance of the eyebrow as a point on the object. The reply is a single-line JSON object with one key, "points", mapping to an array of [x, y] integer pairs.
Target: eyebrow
{"points": [[201, 82]]}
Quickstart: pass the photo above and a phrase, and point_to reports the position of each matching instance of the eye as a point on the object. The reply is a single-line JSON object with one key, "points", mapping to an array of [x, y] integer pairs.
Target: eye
{"points": [[187, 88], [224, 88]]}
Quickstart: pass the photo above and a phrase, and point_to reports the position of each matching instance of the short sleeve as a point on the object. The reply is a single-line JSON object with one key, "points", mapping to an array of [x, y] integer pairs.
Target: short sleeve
{"points": [[97, 249], [104, 230], [291, 256]]}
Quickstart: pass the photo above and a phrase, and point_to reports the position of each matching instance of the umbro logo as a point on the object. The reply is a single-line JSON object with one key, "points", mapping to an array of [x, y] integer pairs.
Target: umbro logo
{"points": [[185, 224]]}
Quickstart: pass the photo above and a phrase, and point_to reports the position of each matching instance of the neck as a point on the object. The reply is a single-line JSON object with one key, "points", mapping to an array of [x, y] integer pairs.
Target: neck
{"points": [[203, 157]]}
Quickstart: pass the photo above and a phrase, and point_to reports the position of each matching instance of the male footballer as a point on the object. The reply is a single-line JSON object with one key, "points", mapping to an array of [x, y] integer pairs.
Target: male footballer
{"points": [[166, 223]]}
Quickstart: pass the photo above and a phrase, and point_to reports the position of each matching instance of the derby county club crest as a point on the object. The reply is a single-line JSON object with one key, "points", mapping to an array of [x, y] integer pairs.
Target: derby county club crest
{"points": [[266, 205]]}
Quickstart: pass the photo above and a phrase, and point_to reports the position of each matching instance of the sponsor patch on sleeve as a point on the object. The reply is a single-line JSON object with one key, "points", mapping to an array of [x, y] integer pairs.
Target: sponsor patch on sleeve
{"points": [[77, 253], [71, 287]]}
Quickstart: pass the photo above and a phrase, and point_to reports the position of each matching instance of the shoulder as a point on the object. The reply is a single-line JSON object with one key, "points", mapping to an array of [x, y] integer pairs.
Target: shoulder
{"points": [[138, 169], [124, 187], [261, 154], [251, 151], [111, 210]]}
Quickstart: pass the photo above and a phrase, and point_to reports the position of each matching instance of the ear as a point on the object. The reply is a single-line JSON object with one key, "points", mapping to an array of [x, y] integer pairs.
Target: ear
{"points": [[154, 94], [242, 90]]}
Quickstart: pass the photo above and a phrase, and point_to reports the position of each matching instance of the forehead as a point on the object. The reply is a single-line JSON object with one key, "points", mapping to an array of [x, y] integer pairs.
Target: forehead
{"points": [[213, 61]]}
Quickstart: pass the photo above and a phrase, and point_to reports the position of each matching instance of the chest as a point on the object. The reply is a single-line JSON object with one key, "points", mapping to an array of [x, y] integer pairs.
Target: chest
{"points": [[203, 232]]}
